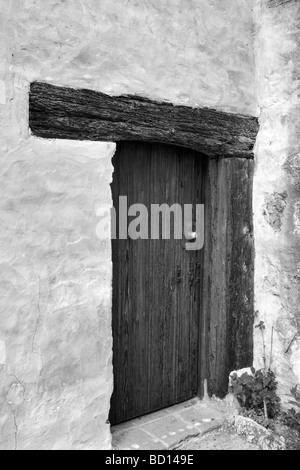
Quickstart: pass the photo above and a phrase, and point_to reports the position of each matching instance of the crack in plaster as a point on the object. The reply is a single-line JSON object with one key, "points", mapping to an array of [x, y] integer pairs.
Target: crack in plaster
{"points": [[38, 321], [16, 431], [279, 3]]}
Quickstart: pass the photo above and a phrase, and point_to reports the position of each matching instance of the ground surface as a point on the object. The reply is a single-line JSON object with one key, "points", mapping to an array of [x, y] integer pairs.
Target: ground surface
{"points": [[166, 429], [195, 425], [217, 440]]}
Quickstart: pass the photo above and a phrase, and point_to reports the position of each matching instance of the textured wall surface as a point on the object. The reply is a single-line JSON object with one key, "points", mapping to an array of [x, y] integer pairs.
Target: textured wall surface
{"points": [[55, 275], [195, 52], [55, 297], [277, 190]]}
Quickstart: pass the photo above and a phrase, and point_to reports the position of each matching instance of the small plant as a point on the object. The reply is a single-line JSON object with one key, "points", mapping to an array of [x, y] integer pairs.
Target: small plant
{"points": [[291, 418], [296, 397], [257, 392], [259, 417], [261, 326], [257, 396]]}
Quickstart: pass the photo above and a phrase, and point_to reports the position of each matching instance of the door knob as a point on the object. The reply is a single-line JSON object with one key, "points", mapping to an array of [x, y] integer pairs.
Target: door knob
{"points": [[192, 236]]}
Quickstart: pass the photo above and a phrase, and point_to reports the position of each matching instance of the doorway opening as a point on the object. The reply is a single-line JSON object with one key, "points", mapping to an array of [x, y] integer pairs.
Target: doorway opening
{"points": [[156, 284]]}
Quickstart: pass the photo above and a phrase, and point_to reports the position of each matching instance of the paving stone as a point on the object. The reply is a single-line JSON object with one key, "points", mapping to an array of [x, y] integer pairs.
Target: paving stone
{"points": [[200, 414], [135, 439], [171, 430], [166, 428]]}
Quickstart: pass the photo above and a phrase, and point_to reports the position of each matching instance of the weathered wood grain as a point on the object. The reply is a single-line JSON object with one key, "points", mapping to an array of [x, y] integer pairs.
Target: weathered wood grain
{"points": [[156, 286], [228, 273], [217, 283], [65, 113]]}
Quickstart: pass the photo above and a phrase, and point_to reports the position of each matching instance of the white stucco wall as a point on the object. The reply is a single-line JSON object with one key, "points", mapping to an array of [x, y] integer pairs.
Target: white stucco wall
{"points": [[185, 51], [277, 190], [55, 276]]}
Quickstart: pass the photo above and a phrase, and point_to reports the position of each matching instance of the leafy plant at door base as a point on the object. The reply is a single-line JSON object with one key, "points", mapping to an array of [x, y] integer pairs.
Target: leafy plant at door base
{"points": [[257, 396], [257, 392]]}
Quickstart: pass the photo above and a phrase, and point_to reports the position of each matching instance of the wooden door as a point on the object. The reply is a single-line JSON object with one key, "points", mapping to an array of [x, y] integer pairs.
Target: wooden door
{"points": [[156, 286]]}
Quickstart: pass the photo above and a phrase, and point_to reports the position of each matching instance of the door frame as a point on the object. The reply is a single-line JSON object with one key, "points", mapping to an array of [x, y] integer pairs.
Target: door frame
{"points": [[226, 141]]}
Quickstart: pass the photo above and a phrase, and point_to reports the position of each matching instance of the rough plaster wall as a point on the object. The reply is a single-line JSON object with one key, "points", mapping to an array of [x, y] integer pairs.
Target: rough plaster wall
{"points": [[55, 278], [54, 296], [185, 51], [277, 190]]}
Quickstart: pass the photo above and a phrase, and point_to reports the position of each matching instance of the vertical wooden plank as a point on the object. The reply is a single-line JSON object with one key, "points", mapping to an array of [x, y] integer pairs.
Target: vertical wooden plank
{"points": [[228, 277], [241, 281]]}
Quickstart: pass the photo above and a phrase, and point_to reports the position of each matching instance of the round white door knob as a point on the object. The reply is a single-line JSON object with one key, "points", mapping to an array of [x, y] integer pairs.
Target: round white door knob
{"points": [[192, 236]]}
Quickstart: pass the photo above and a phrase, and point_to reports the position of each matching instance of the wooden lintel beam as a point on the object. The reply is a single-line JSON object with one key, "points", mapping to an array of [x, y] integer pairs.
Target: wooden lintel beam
{"points": [[66, 113]]}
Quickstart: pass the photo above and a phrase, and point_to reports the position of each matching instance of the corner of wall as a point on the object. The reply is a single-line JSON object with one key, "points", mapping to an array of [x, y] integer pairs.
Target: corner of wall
{"points": [[277, 193]]}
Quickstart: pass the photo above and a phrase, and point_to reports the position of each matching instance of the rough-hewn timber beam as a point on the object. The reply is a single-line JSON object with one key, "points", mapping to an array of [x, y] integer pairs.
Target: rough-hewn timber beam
{"points": [[65, 113]]}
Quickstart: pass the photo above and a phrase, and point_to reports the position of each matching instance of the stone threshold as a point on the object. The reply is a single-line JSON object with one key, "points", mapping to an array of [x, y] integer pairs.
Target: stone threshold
{"points": [[168, 428]]}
